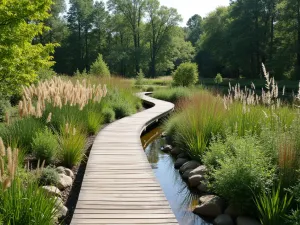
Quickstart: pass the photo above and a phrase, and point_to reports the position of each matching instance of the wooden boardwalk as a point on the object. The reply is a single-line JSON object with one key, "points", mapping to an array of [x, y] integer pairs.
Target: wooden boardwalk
{"points": [[119, 186]]}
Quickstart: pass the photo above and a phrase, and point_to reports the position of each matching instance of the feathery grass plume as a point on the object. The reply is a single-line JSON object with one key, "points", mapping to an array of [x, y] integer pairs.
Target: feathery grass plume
{"points": [[49, 118], [58, 92], [2, 147], [8, 166]]}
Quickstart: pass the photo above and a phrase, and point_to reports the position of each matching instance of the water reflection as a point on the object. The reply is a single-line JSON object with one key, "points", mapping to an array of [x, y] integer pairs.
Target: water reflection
{"points": [[181, 199]]}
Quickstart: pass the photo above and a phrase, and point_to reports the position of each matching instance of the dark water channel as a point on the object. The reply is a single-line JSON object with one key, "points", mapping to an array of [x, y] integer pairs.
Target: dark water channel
{"points": [[181, 199]]}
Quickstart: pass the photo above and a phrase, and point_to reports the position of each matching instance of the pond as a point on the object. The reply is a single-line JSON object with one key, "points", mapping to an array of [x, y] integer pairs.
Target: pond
{"points": [[181, 199]]}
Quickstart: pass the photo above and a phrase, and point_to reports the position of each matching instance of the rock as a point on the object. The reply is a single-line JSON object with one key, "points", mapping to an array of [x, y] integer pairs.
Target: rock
{"points": [[189, 165], [61, 209], [182, 155], [66, 171], [233, 211], [52, 191], [223, 219], [167, 148], [243, 220], [64, 181], [186, 175], [195, 180], [211, 205], [175, 151], [179, 162], [200, 170], [202, 187]]}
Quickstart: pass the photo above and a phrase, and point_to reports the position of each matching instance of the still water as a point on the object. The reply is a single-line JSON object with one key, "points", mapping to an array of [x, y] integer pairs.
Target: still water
{"points": [[181, 199]]}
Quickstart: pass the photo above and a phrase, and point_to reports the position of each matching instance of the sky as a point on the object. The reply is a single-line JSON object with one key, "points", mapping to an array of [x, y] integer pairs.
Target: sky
{"points": [[188, 8]]}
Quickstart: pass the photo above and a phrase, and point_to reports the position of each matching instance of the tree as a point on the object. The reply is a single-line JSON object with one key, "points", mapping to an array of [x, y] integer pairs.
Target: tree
{"points": [[133, 11], [162, 21], [194, 31], [186, 74], [99, 68], [20, 23]]}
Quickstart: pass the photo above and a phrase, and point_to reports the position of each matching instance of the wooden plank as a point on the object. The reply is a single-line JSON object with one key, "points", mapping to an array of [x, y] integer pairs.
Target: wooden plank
{"points": [[119, 186]]}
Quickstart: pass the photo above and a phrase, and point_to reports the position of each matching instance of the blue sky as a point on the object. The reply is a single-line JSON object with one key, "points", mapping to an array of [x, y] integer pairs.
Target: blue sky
{"points": [[188, 8]]}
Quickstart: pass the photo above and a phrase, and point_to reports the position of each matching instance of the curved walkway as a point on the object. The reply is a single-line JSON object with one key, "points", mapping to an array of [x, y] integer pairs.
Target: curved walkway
{"points": [[119, 186]]}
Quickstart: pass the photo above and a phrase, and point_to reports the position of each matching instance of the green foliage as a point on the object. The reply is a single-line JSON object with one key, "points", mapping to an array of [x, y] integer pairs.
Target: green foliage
{"points": [[99, 68], [19, 57], [140, 78], [272, 207], [4, 106], [246, 172], [45, 146], [72, 142], [48, 176], [45, 74], [108, 115], [173, 94], [26, 205], [20, 133], [186, 74], [218, 79]]}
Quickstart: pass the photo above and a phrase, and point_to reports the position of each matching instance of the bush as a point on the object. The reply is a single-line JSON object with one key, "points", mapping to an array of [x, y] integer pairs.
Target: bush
{"points": [[72, 142], [122, 109], [99, 68], [108, 115], [186, 74], [45, 146], [27, 205], [150, 89], [45, 74], [248, 170], [48, 176], [218, 79]]}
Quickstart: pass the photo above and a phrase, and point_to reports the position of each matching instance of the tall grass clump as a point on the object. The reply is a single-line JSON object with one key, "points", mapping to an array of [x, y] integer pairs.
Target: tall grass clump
{"points": [[27, 205], [174, 94], [72, 142], [272, 207], [199, 118]]}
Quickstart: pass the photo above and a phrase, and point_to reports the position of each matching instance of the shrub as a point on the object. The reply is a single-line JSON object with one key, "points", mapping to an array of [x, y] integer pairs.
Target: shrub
{"points": [[140, 78], [27, 205], [150, 89], [186, 74], [218, 79], [99, 68], [45, 74], [122, 109], [72, 142], [248, 170], [48, 176], [272, 207], [108, 115], [45, 146]]}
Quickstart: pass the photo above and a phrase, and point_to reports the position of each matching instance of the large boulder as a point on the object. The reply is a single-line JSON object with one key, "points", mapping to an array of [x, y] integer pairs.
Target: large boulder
{"points": [[243, 220], [167, 148], [52, 191], [195, 180], [189, 166], [175, 151], [202, 187], [223, 219], [233, 211], [211, 206], [179, 162], [186, 175], [182, 155], [64, 181], [200, 170], [61, 209], [66, 171]]}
